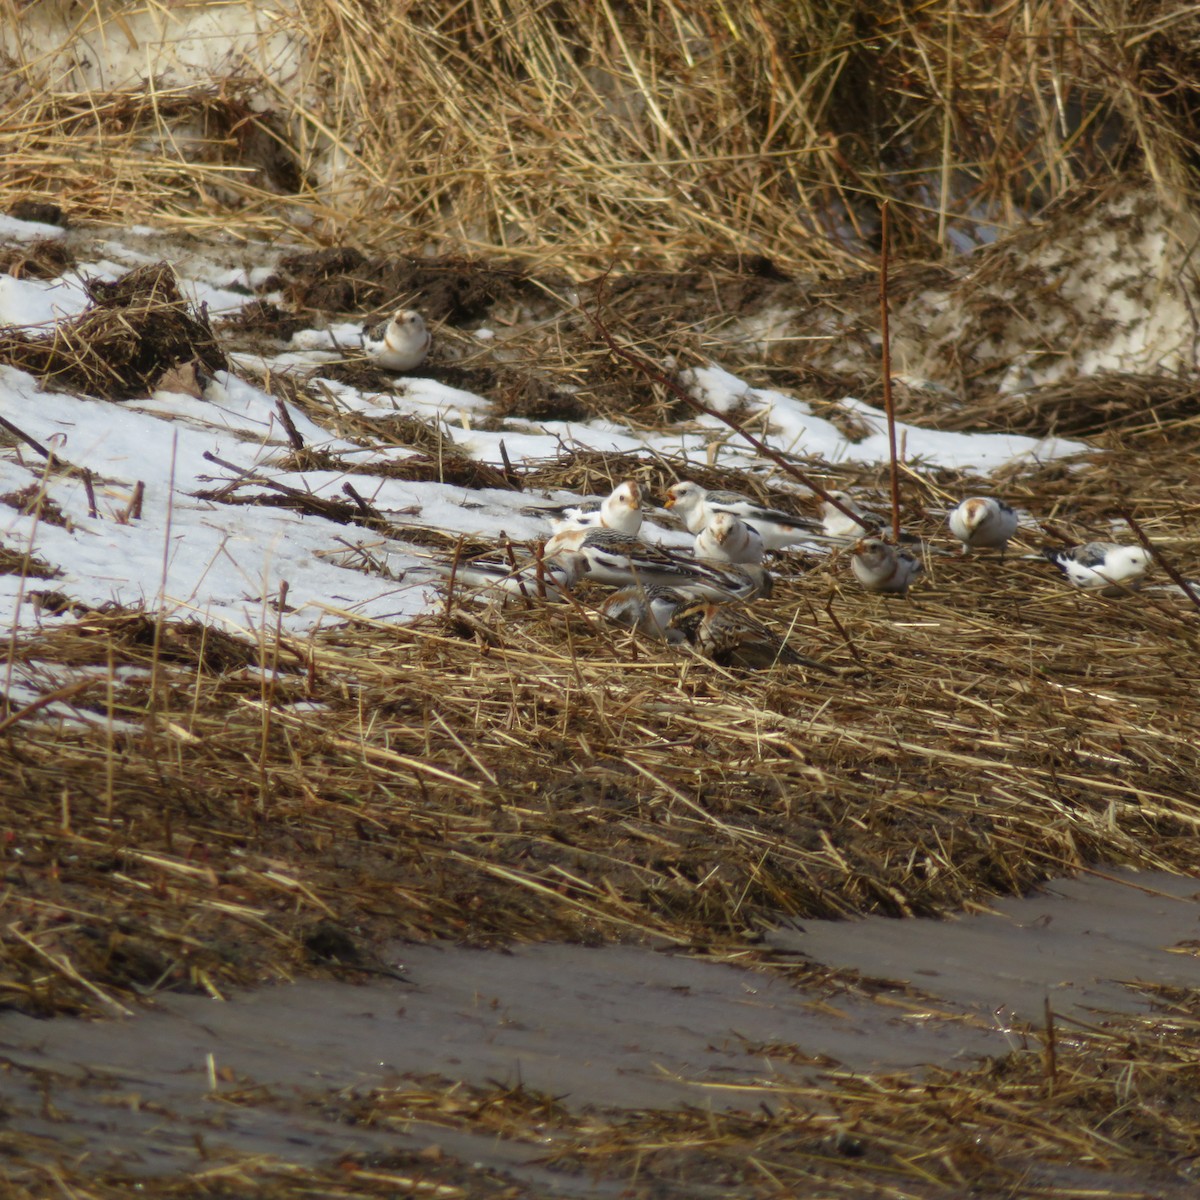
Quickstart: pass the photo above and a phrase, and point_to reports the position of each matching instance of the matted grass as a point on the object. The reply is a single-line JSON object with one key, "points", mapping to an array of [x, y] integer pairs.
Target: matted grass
{"points": [[488, 776], [530, 772]]}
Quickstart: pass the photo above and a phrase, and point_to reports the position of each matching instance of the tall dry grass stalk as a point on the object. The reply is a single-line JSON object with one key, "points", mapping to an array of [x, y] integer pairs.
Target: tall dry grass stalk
{"points": [[609, 132]]}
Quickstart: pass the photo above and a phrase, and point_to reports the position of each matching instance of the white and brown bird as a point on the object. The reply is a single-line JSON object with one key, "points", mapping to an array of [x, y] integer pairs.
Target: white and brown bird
{"points": [[1106, 568], [548, 579], [624, 561], [836, 525], [883, 568], [621, 510], [983, 522], [696, 507], [400, 343], [646, 609], [728, 539]]}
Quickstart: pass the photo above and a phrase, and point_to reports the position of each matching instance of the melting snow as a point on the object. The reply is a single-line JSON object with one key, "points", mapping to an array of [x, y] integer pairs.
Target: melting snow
{"points": [[226, 562]]}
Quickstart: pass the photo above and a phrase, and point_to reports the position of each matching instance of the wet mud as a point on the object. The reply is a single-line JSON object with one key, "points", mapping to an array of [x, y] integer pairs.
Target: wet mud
{"points": [[278, 1072]]}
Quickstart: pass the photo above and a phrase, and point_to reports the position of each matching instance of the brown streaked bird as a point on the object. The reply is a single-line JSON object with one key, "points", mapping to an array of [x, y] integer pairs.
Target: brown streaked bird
{"points": [[646, 609], [730, 637]]}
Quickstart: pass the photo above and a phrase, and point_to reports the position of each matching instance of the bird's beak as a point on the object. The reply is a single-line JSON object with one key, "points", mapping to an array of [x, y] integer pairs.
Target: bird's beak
{"points": [[670, 501]]}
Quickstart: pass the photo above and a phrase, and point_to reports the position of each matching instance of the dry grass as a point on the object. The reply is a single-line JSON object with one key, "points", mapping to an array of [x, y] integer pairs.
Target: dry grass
{"points": [[186, 810], [534, 774], [486, 776], [620, 133]]}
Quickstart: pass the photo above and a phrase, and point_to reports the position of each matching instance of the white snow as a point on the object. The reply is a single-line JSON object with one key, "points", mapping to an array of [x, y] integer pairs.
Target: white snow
{"points": [[38, 301], [13, 229], [226, 561], [797, 429]]}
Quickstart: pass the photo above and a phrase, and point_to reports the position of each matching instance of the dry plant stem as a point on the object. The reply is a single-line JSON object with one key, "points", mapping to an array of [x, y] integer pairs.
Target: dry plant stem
{"points": [[21, 435], [647, 368], [19, 599], [1160, 558], [90, 491], [269, 666], [846, 639], [1051, 1048], [162, 588], [454, 561], [285, 417], [885, 333], [133, 510], [62, 693], [510, 554], [110, 752], [511, 475], [363, 506]]}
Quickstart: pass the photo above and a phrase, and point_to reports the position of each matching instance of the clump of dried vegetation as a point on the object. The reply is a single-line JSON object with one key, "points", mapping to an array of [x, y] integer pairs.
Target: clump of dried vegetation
{"points": [[614, 132], [131, 334], [188, 810]]}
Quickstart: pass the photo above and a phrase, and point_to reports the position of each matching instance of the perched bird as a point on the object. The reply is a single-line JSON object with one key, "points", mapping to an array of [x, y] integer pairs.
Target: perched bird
{"points": [[647, 609], [545, 580], [841, 528], [1103, 567], [729, 636], [727, 539], [620, 510], [696, 507], [883, 568], [621, 560], [982, 521], [399, 344]]}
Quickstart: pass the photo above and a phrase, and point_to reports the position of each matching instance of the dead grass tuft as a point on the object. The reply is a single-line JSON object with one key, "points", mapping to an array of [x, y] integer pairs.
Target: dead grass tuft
{"points": [[134, 331]]}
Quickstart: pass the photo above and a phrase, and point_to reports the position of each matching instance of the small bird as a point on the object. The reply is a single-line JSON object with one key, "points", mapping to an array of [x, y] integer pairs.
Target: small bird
{"points": [[1106, 568], [399, 344], [730, 637], [696, 507], [883, 568], [841, 528], [545, 580], [623, 561], [726, 539], [983, 522], [621, 510], [648, 610]]}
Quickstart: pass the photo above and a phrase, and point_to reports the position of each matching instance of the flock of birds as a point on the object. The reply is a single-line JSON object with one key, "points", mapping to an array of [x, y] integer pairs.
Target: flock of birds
{"points": [[675, 598]]}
